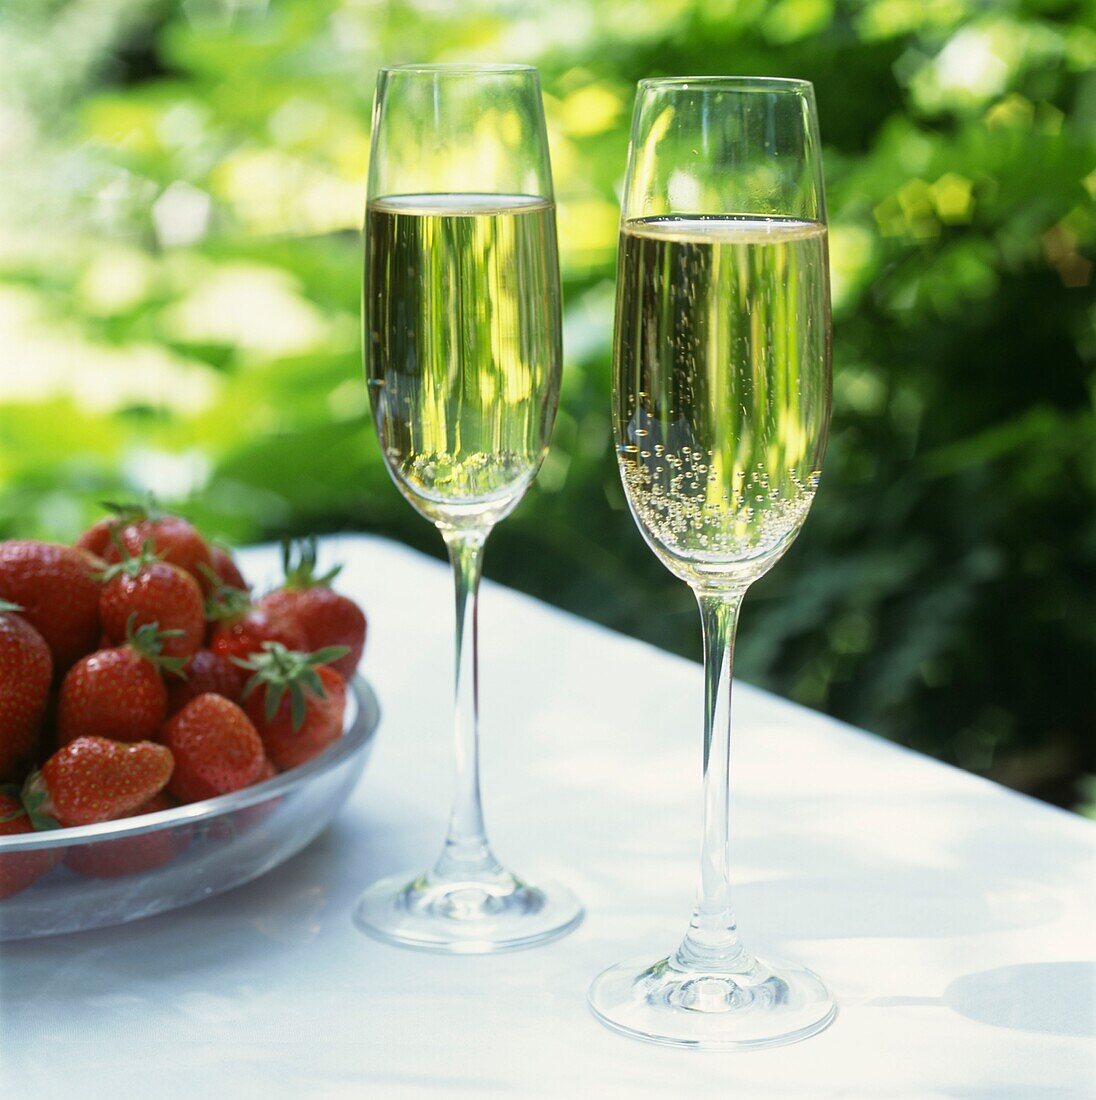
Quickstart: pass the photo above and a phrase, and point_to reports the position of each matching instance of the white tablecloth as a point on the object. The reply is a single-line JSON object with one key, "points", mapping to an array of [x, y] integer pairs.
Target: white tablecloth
{"points": [[954, 920]]}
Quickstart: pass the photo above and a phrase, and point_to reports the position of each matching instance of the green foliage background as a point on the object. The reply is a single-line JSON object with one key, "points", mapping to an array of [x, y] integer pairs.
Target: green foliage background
{"points": [[180, 191]]}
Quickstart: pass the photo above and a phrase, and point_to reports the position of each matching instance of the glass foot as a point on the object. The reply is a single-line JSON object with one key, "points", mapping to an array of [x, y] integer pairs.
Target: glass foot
{"points": [[466, 917], [760, 1006]]}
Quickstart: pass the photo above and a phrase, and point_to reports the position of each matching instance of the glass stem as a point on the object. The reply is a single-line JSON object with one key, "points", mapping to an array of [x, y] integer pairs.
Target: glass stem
{"points": [[712, 940], [467, 854]]}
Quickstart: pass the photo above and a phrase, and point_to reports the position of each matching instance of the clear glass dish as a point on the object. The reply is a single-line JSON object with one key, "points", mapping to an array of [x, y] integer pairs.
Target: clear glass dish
{"points": [[120, 871]]}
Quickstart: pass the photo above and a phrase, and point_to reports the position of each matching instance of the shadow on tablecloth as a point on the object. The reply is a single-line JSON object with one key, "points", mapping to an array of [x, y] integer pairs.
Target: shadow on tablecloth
{"points": [[1052, 998]]}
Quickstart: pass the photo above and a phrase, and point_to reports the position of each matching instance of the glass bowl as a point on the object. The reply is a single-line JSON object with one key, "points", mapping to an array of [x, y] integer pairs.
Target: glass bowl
{"points": [[120, 871]]}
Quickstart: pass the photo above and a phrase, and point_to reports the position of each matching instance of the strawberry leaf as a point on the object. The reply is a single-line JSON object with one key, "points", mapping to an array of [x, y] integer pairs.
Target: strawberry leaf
{"points": [[35, 796], [129, 512], [148, 641], [131, 564], [299, 565], [135, 511], [328, 654], [297, 706], [280, 669], [274, 695], [224, 602], [315, 684], [210, 574]]}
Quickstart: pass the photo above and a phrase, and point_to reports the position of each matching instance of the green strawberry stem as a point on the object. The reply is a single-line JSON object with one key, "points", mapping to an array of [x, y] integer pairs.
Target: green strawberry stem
{"points": [[224, 602], [281, 670], [135, 511], [130, 563], [7, 605], [299, 564], [148, 641], [34, 796]]}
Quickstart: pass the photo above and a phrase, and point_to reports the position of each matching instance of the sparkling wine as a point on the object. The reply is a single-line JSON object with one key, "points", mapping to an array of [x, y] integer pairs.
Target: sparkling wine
{"points": [[722, 349], [462, 347]]}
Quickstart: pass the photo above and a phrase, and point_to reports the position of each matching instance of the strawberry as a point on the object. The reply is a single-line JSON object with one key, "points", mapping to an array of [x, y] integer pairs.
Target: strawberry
{"points": [[226, 569], [95, 779], [117, 692], [296, 703], [102, 537], [153, 591], [172, 537], [247, 817], [326, 617], [19, 869], [26, 670], [130, 855], [207, 673], [175, 538], [252, 816], [58, 589], [98, 539], [215, 746], [240, 627]]}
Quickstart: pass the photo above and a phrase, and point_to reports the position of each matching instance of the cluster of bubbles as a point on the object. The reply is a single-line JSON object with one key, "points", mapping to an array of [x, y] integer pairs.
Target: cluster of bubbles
{"points": [[688, 505], [471, 476]]}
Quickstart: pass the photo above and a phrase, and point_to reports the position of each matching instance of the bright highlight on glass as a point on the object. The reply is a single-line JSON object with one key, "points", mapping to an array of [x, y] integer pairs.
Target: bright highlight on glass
{"points": [[461, 317], [721, 396]]}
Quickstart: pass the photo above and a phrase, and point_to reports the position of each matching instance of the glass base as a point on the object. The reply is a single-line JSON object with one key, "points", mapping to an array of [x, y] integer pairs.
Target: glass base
{"points": [[764, 1005], [466, 917]]}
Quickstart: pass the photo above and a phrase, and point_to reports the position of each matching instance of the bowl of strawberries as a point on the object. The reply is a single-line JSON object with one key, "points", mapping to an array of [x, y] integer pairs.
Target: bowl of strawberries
{"points": [[165, 733]]}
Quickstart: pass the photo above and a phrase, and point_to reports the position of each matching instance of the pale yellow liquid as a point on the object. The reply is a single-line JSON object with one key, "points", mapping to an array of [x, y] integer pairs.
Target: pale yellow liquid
{"points": [[721, 387], [462, 347]]}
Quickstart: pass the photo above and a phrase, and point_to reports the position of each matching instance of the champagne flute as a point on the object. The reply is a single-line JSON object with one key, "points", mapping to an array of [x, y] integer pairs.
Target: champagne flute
{"points": [[462, 347], [721, 397]]}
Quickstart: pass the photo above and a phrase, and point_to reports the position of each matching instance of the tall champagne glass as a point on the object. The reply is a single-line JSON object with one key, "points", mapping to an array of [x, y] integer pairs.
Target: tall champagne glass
{"points": [[721, 403], [462, 346]]}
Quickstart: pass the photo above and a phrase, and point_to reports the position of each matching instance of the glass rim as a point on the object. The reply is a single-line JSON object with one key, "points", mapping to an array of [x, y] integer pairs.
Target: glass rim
{"points": [[460, 68], [731, 83]]}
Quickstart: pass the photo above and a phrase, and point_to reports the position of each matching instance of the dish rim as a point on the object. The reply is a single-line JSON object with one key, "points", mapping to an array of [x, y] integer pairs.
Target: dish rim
{"points": [[359, 728]]}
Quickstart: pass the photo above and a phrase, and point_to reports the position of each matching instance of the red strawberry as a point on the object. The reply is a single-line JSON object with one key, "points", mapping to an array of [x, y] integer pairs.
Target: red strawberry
{"points": [[242, 627], [26, 670], [296, 703], [130, 855], [226, 569], [215, 746], [117, 693], [269, 770], [95, 779], [248, 817], [58, 589], [148, 590], [102, 538], [207, 673], [326, 617], [19, 869], [252, 816], [172, 537], [177, 540], [98, 538]]}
